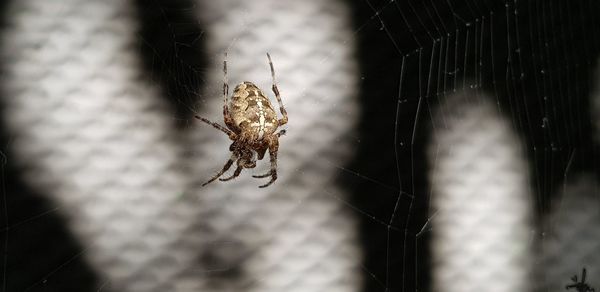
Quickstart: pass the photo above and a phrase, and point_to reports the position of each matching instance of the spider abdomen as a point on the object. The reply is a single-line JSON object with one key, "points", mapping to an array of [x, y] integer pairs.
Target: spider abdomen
{"points": [[252, 111]]}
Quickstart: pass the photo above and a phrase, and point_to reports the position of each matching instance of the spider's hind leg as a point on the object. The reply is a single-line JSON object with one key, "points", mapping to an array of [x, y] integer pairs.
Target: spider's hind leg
{"points": [[226, 115], [229, 133], [284, 119]]}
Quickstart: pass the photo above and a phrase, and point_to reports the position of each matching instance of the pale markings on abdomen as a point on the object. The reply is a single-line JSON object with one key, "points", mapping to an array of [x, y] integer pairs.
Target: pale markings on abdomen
{"points": [[261, 119]]}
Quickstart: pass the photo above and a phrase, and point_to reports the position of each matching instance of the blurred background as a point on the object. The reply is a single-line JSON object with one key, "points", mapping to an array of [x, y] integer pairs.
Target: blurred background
{"points": [[432, 145]]}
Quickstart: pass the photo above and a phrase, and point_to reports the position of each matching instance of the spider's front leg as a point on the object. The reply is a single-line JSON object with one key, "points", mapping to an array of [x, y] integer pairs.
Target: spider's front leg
{"points": [[235, 174], [225, 168], [273, 148]]}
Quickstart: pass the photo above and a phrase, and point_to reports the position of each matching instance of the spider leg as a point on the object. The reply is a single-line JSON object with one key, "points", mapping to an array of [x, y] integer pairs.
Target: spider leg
{"points": [[261, 155], [229, 133], [273, 147], [237, 172], [262, 175], [284, 119], [226, 116], [220, 173]]}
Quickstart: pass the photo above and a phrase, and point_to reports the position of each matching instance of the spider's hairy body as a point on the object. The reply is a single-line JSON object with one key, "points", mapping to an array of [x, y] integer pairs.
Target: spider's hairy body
{"points": [[252, 111], [251, 124]]}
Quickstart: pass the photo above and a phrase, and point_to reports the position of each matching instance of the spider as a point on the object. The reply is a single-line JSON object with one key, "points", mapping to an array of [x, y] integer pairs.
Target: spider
{"points": [[251, 124]]}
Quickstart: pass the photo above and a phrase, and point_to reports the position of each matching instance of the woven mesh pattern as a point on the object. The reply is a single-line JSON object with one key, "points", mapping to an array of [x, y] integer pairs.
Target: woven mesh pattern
{"points": [[90, 130], [480, 200], [573, 241]]}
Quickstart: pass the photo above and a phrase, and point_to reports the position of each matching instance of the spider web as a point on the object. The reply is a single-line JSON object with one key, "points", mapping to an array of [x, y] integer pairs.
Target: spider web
{"points": [[520, 56], [432, 75]]}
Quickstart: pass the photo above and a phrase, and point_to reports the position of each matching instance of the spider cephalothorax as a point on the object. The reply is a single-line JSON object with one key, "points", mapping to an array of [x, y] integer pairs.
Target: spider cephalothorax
{"points": [[251, 123]]}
